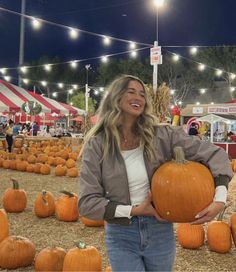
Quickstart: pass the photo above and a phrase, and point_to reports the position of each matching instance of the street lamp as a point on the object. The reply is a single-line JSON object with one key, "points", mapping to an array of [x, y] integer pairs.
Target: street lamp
{"points": [[22, 37], [87, 66], [158, 4]]}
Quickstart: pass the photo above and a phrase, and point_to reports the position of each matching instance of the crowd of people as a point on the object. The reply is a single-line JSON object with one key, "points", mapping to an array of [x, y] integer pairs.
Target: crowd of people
{"points": [[9, 130]]}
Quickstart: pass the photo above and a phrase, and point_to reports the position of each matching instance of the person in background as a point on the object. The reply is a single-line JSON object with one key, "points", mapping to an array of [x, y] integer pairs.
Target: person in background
{"points": [[9, 135], [52, 131], [35, 129], [119, 157], [193, 129]]}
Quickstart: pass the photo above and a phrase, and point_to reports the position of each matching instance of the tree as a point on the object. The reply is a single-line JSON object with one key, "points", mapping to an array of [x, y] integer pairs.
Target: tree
{"points": [[78, 101]]}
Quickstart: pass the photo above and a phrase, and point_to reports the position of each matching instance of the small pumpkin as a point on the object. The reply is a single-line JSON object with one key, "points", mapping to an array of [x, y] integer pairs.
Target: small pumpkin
{"points": [[82, 258], [60, 170], [44, 204], [91, 223], [45, 169], [16, 251], [73, 172], [50, 259], [219, 235], [14, 199], [67, 207], [193, 183], [4, 225], [70, 163], [190, 236], [31, 159], [30, 168]]}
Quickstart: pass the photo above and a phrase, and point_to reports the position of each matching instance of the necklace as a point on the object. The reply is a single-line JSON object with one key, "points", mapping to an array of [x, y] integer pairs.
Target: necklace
{"points": [[131, 143]]}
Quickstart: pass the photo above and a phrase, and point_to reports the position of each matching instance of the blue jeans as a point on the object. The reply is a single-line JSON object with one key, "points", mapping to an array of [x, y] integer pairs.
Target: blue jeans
{"points": [[145, 245]]}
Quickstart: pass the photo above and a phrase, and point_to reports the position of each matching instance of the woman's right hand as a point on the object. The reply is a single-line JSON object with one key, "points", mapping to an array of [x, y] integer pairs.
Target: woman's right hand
{"points": [[146, 209]]}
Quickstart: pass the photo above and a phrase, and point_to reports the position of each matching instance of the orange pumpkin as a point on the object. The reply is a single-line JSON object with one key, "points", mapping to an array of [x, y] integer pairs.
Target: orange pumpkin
{"points": [[16, 251], [108, 269], [60, 170], [44, 204], [30, 168], [233, 224], [181, 189], [73, 156], [190, 236], [6, 164], [37, 168], [70, 163], [21, 165], [73, 172], [4, 225], [67, 207], [91, 223], [14, 199], [45, 169], [31, 159], [219, 235], [50, 259], [82, 258]]}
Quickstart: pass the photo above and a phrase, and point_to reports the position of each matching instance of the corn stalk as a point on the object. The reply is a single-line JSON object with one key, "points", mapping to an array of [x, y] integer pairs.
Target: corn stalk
{"points": [[160, 101]]}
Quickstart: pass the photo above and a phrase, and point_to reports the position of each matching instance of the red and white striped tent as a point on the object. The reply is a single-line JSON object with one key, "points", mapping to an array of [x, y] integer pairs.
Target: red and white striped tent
{"points": [[12, 97]]}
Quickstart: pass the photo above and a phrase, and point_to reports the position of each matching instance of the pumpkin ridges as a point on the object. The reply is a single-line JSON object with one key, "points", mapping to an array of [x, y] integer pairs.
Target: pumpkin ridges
{"points": [[14, 199], [190, 236], [22, 252], [4, 225], [219, 235], [44, 205], [188, 186], [50, 259], [83, 259]]}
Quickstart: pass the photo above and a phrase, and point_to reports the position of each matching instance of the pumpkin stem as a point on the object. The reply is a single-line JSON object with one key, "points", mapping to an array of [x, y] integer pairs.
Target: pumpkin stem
{"points": [[221, 214], [67, 193], [15, 184], [179, 155], [44, 197], [80, 245]]}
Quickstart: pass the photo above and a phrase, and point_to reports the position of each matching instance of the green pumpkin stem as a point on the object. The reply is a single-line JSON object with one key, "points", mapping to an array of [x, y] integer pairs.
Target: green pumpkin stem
{"points": [[67, 193], [221, 214], [15, 184], [179, 155], [80, 245]]}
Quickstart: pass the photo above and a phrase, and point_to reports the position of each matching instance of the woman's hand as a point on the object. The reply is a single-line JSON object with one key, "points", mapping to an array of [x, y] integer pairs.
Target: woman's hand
{"points": [[209, 213], [146, 209]]}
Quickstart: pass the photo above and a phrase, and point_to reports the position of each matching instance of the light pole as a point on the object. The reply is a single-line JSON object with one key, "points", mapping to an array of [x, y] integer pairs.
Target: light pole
{"points": [[22, 37], [157, 3], [87, 66]]}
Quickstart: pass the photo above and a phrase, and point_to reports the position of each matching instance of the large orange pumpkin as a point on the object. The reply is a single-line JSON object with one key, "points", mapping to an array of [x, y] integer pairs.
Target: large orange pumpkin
{"points": [[82, 258], [181, 189], [73, 172], [14, 199], [91, 223], [50, 259], [44, 204], [4, 225], [67, 207], [16, 251], [190, 236]]}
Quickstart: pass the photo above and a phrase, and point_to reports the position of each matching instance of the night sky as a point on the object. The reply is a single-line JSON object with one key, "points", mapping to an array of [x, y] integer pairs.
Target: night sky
{"points": [[181, 22]]}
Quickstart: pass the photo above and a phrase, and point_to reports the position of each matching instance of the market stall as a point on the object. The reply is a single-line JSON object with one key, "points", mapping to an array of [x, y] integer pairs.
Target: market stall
{"points": [[218, 136]]}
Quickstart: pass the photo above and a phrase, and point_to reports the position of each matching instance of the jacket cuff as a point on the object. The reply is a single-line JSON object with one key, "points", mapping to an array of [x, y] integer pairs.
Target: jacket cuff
{"points": [[222, 180], [110, 210]]}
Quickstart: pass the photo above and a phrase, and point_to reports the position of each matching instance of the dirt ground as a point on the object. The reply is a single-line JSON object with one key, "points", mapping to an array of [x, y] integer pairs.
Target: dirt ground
{"points": [[51, 232]]}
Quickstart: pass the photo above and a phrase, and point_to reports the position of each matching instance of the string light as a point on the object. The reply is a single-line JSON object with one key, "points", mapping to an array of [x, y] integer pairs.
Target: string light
{"points": [[44, 83], [71, 91], [193, 50], [133, 54], [175, 57], [104, 59], [197, 103], [132, 45], [36, 23], [73, 33], [3, 71], [48, 67], [202, 91], [219, 72], [232, 89], [232, 76], [73, 64], [23, 69], [106, 40], [7, 78], [54, 94], [25, 80], [201, 67], [60, 85]]}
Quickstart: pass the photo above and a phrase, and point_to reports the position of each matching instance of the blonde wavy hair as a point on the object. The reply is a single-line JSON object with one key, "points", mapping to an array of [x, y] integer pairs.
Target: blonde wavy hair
{"points": [[110, 116]]}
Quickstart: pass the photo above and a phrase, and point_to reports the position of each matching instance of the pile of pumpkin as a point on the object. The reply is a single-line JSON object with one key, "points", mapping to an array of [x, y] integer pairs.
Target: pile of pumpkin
{"points": [[40, 157], [23, 251]]}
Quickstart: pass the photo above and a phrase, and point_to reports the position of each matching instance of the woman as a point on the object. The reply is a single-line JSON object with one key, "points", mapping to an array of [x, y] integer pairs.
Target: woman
{"points": [[9, 135], [120, 155]]}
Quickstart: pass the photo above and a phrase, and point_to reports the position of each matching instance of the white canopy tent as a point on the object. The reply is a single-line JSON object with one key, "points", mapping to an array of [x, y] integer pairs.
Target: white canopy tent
{"points": [[213, 118]]}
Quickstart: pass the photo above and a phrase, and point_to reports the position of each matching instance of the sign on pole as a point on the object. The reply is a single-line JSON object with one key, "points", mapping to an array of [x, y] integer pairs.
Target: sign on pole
{"points": [[155, 55]]}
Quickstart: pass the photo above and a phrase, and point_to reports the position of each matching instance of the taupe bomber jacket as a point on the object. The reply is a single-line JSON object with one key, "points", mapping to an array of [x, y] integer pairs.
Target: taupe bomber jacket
{"points": [[104, 184]]}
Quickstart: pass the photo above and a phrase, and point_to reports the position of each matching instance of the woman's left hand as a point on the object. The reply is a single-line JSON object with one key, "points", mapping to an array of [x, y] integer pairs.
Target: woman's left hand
{"points": [[209, 213]]}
